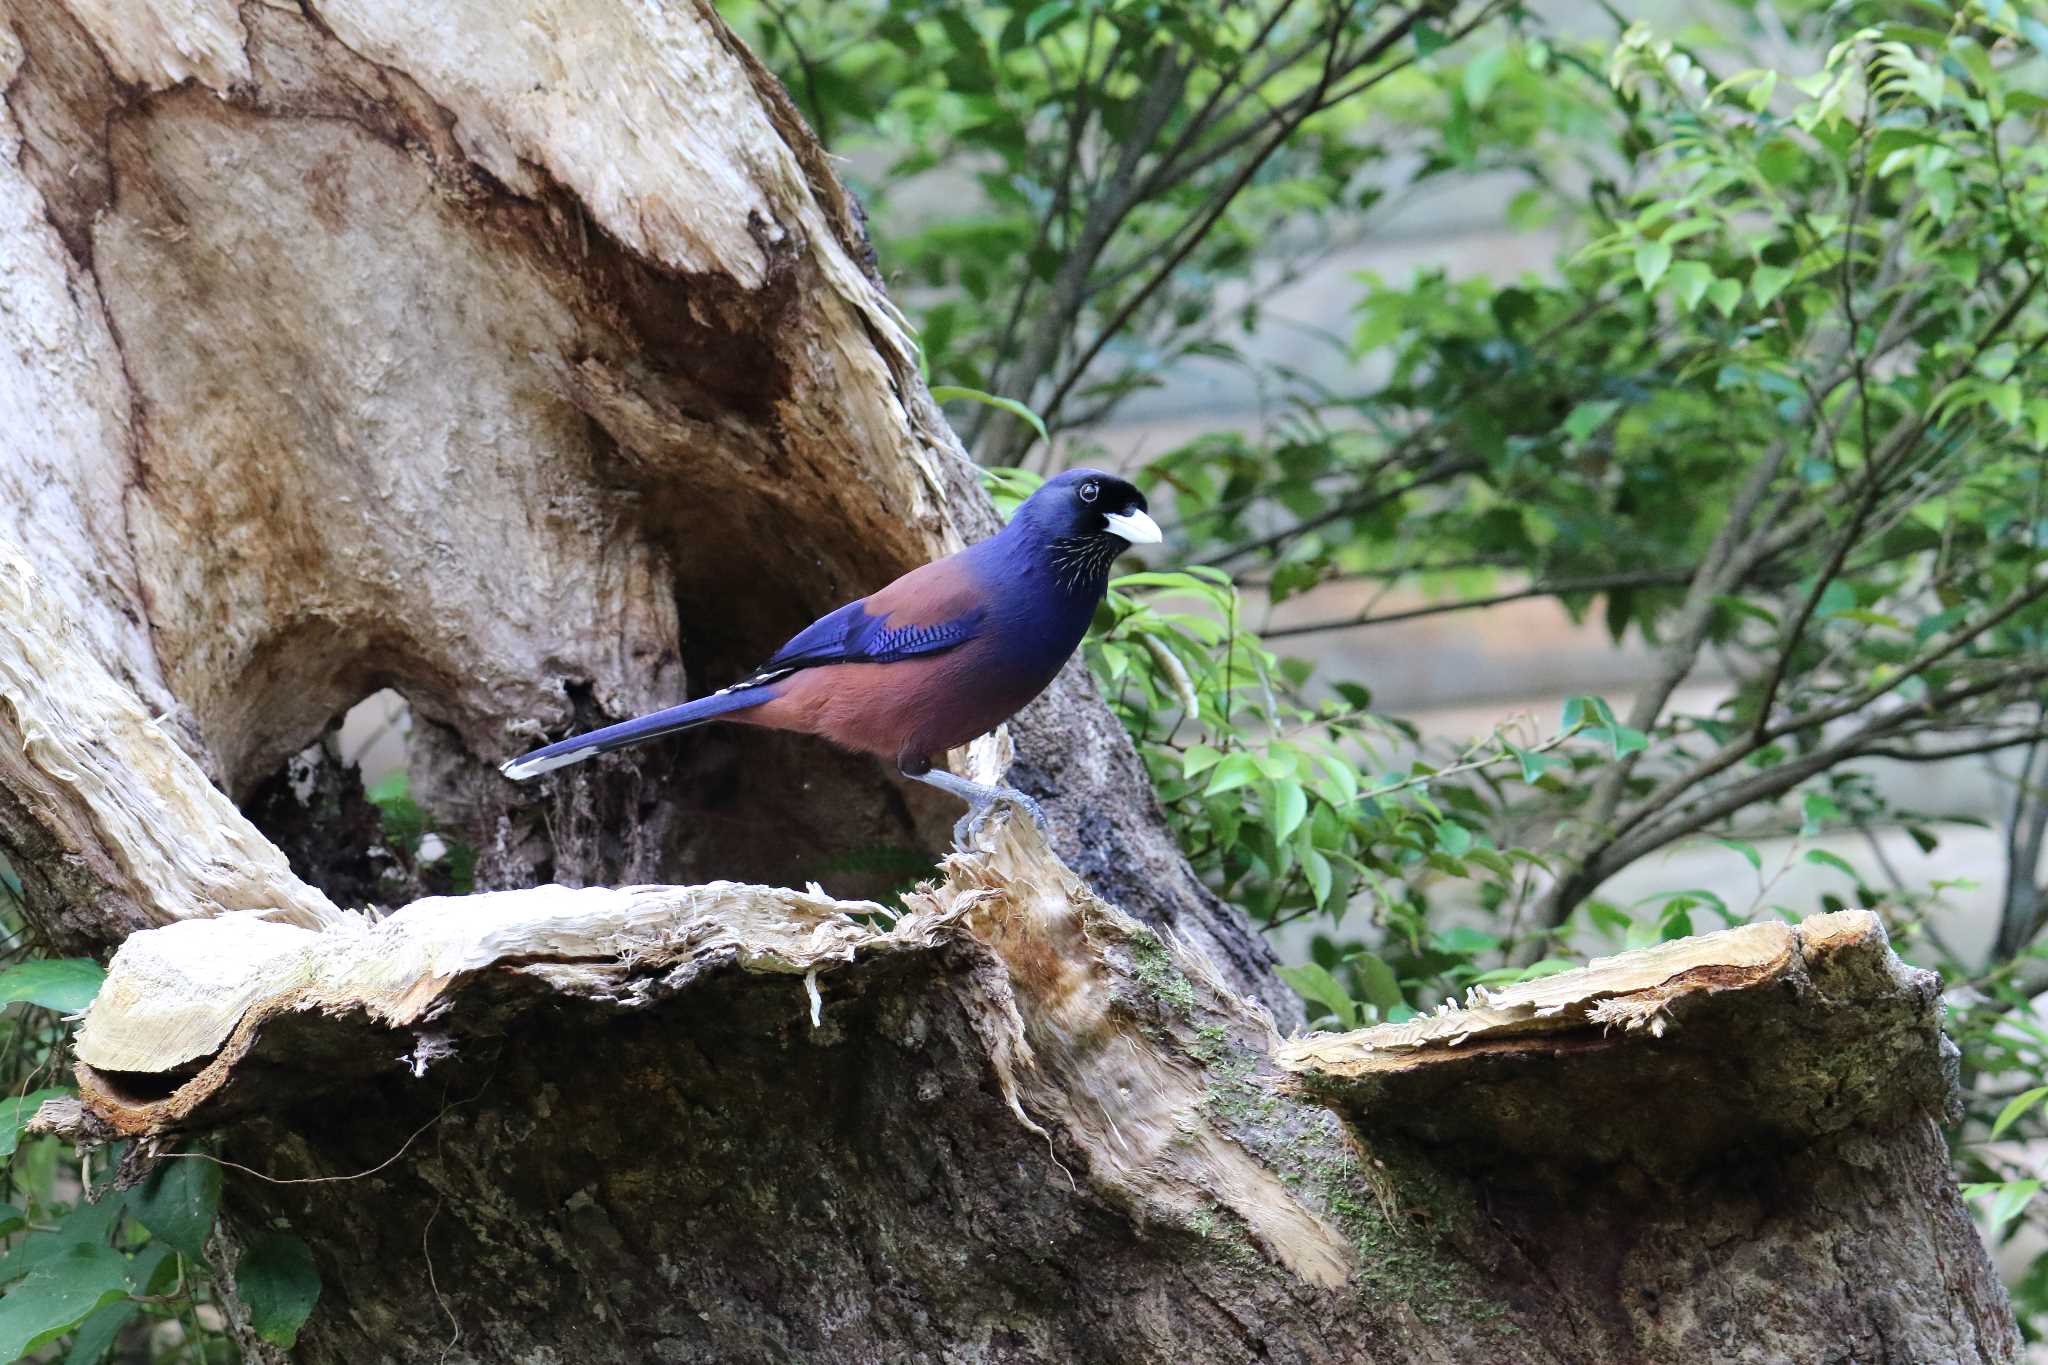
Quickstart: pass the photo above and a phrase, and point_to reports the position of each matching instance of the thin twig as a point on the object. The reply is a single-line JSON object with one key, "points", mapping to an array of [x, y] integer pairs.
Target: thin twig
{"points": [[1647, 578], [332, 1179]]}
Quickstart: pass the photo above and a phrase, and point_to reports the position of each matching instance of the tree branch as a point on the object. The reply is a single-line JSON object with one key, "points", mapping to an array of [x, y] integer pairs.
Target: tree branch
{"points": [[1219, 205], [1000, 437], [1646, 578], [1708, 807]]}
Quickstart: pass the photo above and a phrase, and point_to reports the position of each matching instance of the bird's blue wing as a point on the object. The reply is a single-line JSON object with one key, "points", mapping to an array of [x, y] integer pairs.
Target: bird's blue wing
{"points": [[926, 611], [853, 634]]}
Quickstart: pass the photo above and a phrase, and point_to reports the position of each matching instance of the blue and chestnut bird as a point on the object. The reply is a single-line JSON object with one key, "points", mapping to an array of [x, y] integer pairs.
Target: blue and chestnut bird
{"points": [[945, 653]]}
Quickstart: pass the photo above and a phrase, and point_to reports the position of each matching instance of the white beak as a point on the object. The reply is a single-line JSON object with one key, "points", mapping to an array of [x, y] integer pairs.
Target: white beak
{"points": [[1134, 526]]}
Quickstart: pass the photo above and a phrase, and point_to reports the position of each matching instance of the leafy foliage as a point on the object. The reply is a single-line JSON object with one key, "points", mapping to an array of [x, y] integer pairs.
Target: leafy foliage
{"points": [[1122, 159], [424, 861], [278, 1282], [123, 1270], [1276, 810], [66, 984], [59, 1294]]}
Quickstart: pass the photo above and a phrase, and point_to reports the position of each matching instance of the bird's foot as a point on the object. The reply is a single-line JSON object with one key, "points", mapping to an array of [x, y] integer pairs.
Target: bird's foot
{"points": [[979, 810]]}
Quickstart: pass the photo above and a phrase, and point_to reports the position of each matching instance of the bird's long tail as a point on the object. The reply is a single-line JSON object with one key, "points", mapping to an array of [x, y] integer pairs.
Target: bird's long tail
{"points": [[576, 748]]}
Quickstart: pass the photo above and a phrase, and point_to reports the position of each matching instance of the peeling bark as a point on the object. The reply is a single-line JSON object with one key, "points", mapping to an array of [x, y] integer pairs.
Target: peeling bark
{"points": [[530, 360]]}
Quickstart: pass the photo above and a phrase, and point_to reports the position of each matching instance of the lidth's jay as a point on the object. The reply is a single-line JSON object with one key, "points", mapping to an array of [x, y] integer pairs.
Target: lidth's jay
{"points": [[944, 654]]}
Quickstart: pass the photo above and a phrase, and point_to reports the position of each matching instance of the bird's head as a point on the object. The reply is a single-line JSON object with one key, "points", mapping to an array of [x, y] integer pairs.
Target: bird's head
{"points": [[1085, 518]]}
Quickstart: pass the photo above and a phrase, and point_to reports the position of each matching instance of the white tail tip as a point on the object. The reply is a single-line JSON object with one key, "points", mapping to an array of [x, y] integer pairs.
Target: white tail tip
{"points": [[526, 769]]}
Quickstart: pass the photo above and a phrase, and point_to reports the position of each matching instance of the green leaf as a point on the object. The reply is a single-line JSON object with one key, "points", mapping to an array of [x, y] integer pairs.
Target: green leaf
{"points": [[1977, 62], [154, 1269], [1316, 867], [1607, 918], [1652, 259], [1048, 18], [1453, 838], [279, 1284], [1823, 858], [946, 393], [1621, 739], [1235, 770], [1464, 941], [1676, 920], [1289, 808], [65, 984], [1279, 762], [82, 1223], [2010, 1200], [17, 1110], [96, 1335], [57, 1295], [1835, 599], [1747, 850], [1534, 765], [393, 786], [1382, 986], [1314, 983], [1587, 418], [1817, 809], [2016, 1106], [1482, 73], [1342, 775], [1766, 282], [2037, 421], [1008, 487], [1690, 281], [1780, 160], [1724, 294], [178, 1202]]}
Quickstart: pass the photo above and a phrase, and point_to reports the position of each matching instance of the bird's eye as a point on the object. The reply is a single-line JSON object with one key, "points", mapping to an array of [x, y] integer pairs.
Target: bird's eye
{"points": [[1090, 491]]}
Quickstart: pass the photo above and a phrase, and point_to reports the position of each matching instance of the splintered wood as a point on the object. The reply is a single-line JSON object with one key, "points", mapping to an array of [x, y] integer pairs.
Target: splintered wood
{"points": [[1050, 997], [200, 992], [113, 791], [1628, 992]]}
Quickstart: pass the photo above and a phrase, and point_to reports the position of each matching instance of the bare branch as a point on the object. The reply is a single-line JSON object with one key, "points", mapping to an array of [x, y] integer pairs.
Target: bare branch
{"points": [[1646, 578], [1774, 781], [1438, 473]]}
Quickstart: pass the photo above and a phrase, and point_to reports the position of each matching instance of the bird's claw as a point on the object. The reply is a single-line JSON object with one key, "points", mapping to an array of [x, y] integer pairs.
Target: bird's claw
{"points": [[977, 815]]}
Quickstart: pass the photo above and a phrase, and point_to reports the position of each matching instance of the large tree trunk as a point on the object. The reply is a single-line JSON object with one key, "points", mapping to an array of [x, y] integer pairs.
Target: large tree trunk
{"points": [[526, 357]]}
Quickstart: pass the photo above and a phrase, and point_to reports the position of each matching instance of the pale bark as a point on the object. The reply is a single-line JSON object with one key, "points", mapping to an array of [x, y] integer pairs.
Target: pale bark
{"points": [[527, 357]]}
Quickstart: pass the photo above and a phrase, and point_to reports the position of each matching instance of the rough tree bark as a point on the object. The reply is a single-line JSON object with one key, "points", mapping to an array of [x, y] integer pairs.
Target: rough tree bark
{"points": [[527, 357]]}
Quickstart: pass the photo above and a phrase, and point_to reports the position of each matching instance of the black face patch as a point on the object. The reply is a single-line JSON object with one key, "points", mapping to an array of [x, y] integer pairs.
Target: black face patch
{"points": [[1079, 560]]}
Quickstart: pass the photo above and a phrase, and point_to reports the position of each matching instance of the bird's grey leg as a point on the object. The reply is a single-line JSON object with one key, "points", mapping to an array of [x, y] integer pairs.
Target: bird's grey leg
{"points": [[978, 796]]}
